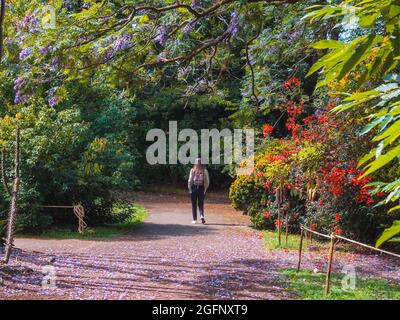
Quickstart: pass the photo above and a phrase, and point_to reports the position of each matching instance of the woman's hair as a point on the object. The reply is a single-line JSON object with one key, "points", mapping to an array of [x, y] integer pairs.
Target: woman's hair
{"points": [[198, 165]]}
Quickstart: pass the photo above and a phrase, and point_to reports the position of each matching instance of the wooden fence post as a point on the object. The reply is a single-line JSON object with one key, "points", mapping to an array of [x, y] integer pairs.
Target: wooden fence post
{"points": [[287, 225], [279, 224], [300, 247], [329, 267]]}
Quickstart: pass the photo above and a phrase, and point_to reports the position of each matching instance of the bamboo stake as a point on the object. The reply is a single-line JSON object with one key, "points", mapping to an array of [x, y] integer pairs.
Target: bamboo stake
{"points": [[287, 225], [300, 248], [279, 224], [329, 267]]}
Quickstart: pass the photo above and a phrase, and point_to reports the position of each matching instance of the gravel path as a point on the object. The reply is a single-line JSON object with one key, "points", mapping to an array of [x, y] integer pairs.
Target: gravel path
{"points": [[166, 257]]}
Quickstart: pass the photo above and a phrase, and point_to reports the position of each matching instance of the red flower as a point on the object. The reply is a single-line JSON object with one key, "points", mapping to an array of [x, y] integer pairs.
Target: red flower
{"points": [[322, 119], [259, 174], [267, 214], [267, 129], [267, 185], [338, 217], [337, 231], [278, 221], [291, 83], [331, 105], [313, 226]]}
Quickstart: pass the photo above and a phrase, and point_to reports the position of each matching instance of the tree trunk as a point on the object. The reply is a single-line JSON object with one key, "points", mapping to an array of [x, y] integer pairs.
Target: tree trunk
{"points": [[11, 221], [12, 215]]}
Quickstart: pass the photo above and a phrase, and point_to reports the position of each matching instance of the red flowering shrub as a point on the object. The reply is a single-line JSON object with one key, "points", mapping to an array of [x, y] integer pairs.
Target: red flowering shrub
{"points": [[278, 222], [291, 83], [315, 166], [267, 129], [267, 214]]}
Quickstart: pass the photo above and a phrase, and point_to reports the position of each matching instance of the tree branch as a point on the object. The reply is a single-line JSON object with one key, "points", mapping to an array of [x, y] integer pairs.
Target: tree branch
{"points": [[253, 85]]}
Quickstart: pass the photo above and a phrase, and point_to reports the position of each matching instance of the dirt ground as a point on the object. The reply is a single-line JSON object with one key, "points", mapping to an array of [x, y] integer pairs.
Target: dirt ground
{"points": [[167, 257]]}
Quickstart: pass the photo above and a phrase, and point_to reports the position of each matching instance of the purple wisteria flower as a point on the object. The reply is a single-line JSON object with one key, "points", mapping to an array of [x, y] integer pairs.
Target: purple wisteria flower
{"points": [[195, 4], [142, 12], [186, 71], [111, 45], [19, 83], [108, 54], [53, 101], [233, 27], [54, 62], [20, 98], [121, 43], [188, 28], [319, 112], [45, 50], [272, 50], [29, 23], [161, 38], [25, 53]]}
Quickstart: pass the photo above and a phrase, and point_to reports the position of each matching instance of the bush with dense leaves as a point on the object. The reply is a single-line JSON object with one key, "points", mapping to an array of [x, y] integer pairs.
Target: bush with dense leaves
{"points": [[313, 166], [77, 153]]}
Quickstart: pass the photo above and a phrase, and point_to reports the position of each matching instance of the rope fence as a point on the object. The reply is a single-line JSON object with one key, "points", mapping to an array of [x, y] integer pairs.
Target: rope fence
{"points": [[79, 212], [303, 232]]}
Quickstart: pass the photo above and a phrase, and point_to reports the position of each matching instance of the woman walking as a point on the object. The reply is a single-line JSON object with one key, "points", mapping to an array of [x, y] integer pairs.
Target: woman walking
{"points": [[198, 183]]}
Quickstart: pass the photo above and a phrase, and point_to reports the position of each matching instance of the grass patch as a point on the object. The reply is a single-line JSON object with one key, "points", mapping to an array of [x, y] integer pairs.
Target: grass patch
{"points": [[138, 214], [293, 243], [307, 285]]}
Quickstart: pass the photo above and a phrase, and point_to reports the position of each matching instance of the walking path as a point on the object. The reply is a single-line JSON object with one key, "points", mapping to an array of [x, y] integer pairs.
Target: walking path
{"points": [[166, 257]]}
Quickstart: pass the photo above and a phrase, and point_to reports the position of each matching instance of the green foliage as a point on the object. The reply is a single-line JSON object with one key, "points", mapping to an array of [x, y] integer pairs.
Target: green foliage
{"points": [[109, 72], [124, 217], [197, 112], [389, 233], [76, 153], [272, 241], [3, 226], [375, 57], [307, 285], [244, 191]]}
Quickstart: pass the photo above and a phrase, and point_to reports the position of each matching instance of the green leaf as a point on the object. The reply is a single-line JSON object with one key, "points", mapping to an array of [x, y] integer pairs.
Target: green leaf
{"points": [[382, 160], [390, 134], [327, 44], [372, 125], [368, 20], [389, 233], [359, 55], [394, 209], [367, 157]]}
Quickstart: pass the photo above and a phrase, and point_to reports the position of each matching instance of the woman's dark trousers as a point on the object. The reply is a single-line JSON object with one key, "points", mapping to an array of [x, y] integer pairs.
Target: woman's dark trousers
{"points": [[197, 196]]}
